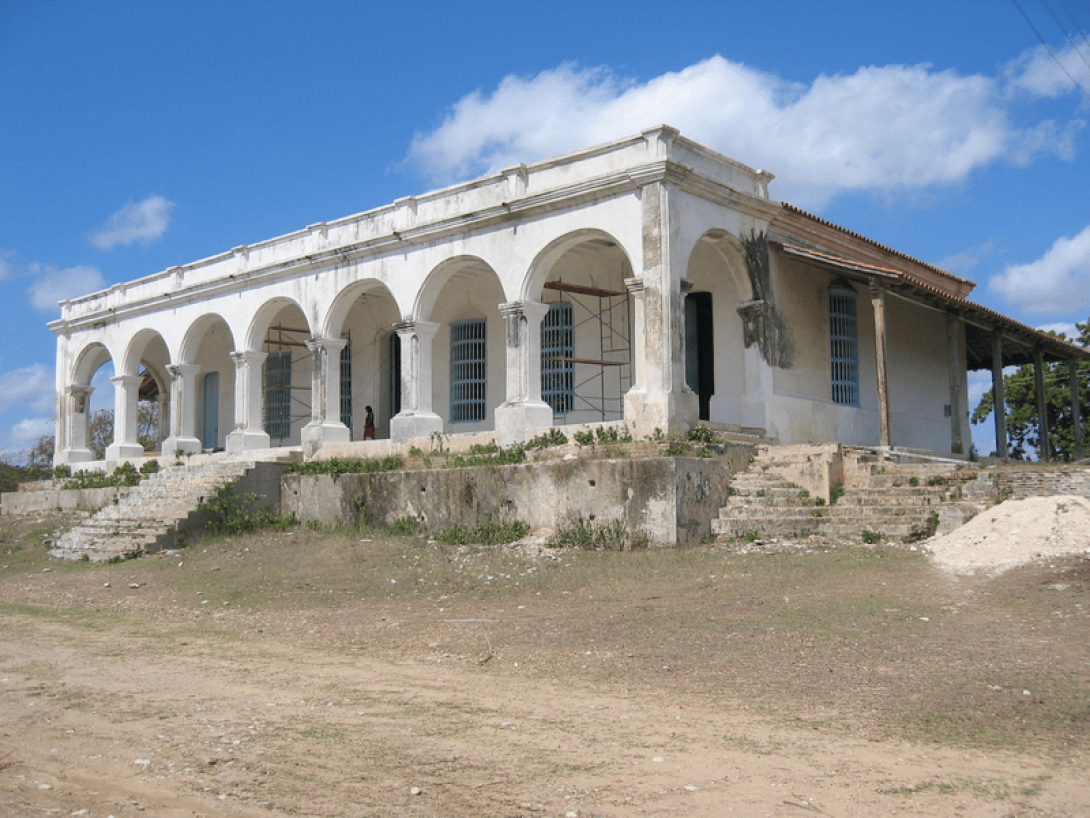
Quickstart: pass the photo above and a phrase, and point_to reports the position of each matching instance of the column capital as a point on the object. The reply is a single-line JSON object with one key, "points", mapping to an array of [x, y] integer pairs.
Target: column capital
{"points": [[253, 357], [328, 344], [182, 370], [425, 329], [635, 286], [686, 285], [125, 380], [79, 389], [531, 309]]}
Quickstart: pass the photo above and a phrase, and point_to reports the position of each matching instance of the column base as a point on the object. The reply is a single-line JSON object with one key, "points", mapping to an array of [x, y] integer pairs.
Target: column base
{"points": [[667, 412], [124, 451], [404, 427], [315, 435], [513, 420], [69, 456], [173, 446], [245, 440]]}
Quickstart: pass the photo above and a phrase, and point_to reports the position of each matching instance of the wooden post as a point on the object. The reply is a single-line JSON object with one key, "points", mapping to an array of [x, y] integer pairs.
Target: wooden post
{"points": [[999, 399], [953, 364], [1043, 453], [878, 304], [1076, 408]]}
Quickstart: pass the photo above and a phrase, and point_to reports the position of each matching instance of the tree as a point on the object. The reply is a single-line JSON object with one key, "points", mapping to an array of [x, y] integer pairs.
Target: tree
{"points": [[100, 432], [1020, 392], [40, 456]]}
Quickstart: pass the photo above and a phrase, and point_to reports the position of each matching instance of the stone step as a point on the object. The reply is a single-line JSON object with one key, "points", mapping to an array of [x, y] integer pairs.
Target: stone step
{"points": [[148, 513]]}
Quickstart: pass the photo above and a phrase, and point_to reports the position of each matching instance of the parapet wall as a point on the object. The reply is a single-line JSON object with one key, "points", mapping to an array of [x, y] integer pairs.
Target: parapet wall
{"points": [[670, 500]]}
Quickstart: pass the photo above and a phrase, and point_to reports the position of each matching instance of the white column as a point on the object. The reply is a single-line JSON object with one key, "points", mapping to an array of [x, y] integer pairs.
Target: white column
{"points": [[325, 420], [162, 410], [523, 410], [183, 409], [76, 407], [416, 418], [662, 400], [248, 433], [126, 393]]}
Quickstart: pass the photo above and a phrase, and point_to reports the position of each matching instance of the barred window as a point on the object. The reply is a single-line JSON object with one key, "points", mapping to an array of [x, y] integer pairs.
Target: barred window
{"points": [[467, 370], [557, 349], [844, 345], [278, 394], [346, 385]]}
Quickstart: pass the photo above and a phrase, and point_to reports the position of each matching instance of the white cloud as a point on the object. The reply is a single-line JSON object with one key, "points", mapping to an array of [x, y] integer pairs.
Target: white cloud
{"points": [[31, 386], [962, 262], [885, 128], [1057, 282], [1037, 73], [144, 222], [26, 432], [1067, 329], [52, 284]]}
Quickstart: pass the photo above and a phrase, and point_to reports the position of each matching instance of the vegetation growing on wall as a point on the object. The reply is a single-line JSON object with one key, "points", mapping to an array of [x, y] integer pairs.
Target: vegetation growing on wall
{"points": [[765, 327]]}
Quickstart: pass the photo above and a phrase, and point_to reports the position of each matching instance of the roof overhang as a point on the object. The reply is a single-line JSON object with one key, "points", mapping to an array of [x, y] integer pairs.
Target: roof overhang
{"points": [[1017, 342]]}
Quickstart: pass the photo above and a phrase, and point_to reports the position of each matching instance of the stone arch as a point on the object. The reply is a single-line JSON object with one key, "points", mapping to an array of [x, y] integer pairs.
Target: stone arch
{"points": [[461, 295], [457, 268], [732, 254], [587, 338], [280, 328], [363, 316], [89, 360], [547, 258], [715, 333]]}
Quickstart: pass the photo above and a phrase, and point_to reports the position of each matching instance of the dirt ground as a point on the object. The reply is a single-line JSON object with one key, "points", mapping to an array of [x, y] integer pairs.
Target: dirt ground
{"points": [[351, 674]]}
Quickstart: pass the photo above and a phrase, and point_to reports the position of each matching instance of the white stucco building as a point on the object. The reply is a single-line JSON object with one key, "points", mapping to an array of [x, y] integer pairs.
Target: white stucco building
{"points": [[649, 280]]}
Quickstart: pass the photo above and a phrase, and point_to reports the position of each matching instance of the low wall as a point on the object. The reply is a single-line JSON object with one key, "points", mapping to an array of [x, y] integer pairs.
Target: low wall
{"points": [[1018, 484], [15, 503], [670, 500]]}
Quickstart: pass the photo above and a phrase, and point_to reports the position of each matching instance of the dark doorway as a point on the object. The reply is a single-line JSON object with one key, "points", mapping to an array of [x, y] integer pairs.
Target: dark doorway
{"points": [[700, 350]]}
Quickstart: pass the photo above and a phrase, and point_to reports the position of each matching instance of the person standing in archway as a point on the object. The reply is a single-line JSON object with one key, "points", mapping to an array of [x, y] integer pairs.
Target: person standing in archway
{"points": [[369, 424]]}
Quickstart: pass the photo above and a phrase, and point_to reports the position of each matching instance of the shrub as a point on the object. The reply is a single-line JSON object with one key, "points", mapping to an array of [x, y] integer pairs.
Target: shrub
{"points": [[149, 467], [553, 437], [835, 493], [232, 514], [487, 533], [871, 537], [404, 526], [702, 434], [346, 465], [611, 537], [585, 438]]}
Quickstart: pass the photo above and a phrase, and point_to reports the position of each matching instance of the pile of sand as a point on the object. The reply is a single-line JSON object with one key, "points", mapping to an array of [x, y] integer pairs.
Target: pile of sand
{"points": [[1014, 533]]}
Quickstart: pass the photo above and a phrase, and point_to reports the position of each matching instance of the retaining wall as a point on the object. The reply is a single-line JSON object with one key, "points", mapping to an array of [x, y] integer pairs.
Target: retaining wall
{"points": [[1018, 484], [670, 500], [67, 500]]}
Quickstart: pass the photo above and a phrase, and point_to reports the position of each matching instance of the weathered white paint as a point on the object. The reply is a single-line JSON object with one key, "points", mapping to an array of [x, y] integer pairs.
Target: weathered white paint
{"points": [[650, 218]]}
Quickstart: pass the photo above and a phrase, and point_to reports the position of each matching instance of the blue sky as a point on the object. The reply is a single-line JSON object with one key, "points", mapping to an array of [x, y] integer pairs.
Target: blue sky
{"points": [[136, 136]]}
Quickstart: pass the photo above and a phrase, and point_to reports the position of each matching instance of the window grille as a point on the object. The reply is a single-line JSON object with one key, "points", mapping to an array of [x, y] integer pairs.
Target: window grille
{"points": [[395, 374], [557, 350], [346, 385], [844, 346], [467, 370], [278, 394]]}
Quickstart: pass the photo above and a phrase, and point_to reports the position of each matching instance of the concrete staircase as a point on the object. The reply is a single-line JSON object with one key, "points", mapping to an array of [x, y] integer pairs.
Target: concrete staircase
{"points": [[149, 517], [894, 501]]}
